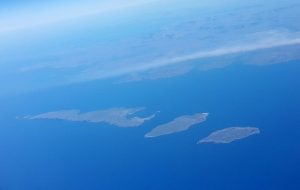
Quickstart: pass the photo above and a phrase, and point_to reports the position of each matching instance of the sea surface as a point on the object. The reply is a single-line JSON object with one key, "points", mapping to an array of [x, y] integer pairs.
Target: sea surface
{"points": [[60, 155]]}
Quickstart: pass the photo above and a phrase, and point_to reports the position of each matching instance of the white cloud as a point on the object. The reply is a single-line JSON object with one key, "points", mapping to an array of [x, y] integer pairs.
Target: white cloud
{"points": [[230, 134], [256, 42], [121, 117], [91, 68], [139, 46], [159, 73], [179, 124]]}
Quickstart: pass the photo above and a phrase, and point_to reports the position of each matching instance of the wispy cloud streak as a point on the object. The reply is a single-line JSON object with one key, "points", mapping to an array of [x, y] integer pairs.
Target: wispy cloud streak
{"points": [[266, 41]]}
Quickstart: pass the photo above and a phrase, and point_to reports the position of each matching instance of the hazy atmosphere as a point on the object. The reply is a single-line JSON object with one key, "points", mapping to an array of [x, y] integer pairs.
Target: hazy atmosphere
{"points": [[149, 95]]}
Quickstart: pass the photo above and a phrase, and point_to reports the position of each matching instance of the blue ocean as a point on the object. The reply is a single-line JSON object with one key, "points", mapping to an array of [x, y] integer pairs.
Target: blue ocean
{"points": [[79, 155]]}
